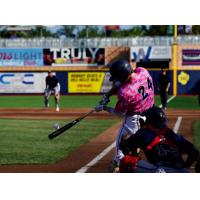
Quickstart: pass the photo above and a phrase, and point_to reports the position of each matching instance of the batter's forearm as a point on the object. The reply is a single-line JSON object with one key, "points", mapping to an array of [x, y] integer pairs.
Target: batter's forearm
{"points": [[113, 111], [114, 89], [106, 97]]}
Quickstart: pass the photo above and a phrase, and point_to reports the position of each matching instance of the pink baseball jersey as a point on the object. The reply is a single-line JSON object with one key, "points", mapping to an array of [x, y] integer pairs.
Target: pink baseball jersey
{"points": [[137, 95]]}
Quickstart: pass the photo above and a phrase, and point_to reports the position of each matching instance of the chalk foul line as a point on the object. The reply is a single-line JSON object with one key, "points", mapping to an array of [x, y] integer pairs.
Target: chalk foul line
{"points": [[177, 124], [96, 159]]}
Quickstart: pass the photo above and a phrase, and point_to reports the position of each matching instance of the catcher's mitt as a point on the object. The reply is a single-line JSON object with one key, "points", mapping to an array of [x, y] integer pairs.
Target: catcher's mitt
{"points": [[128, 164]]}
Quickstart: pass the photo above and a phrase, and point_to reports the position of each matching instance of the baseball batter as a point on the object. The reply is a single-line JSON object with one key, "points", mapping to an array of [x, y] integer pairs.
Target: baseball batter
{"points": [[52, 87], [135, 98]]}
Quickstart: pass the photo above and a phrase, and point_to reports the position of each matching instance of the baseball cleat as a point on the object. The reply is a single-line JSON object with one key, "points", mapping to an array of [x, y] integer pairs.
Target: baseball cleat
{"points": [[47, 105], [57, 109]]}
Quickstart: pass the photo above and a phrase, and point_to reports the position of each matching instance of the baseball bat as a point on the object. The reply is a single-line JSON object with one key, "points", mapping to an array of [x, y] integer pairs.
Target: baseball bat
{"points": [[68, 126]]}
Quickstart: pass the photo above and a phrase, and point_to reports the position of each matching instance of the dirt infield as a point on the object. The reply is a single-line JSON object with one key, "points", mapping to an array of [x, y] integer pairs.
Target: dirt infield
{"points": [[87, 152]]}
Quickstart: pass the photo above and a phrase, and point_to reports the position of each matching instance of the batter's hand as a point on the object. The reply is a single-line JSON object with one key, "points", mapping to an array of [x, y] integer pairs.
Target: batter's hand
{"points": [[99, 108], [105, 100]]}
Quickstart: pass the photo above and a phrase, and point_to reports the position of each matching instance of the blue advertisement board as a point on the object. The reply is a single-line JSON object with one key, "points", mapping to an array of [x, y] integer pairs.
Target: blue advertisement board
{"points": [[188, 82], [21, 57]]}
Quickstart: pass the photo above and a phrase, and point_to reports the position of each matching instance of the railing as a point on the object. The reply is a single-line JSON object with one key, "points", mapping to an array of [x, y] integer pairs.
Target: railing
{"points": [[96, 42]]}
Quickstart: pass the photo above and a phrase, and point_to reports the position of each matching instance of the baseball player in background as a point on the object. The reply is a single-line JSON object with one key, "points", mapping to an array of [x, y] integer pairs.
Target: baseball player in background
{"points": [[163, 86], [135, 92], [163, 148], [52, 87]]}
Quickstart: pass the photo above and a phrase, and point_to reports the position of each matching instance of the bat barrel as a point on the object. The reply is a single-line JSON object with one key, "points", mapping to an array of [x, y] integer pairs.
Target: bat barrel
{"points": [[68, 126]]}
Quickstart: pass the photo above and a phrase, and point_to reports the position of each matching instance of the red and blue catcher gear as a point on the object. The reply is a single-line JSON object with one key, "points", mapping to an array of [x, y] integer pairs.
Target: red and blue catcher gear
{"points": [[161, 147], [128, 164]]}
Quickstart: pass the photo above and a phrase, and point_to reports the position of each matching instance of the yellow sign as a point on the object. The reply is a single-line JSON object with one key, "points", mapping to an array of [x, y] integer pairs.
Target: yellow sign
{"points": [[85, 82], [183, 78]]}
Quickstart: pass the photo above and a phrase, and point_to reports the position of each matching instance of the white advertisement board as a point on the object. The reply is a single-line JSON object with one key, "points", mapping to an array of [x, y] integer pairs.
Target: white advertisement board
{"points": [[22, 82], [150, 53]]}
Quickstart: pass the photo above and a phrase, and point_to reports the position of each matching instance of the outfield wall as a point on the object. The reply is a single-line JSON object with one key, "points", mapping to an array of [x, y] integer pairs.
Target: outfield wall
{"points": [[88, 82], [82, 70]]}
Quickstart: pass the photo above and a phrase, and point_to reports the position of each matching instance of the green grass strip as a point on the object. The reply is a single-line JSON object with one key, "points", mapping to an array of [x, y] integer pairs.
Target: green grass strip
{"points": [[79, 101], [184, 102], [89, 101], [26, 141]]}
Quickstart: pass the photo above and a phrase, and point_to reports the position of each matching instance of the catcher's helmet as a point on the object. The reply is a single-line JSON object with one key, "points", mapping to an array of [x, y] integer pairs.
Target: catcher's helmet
{"points": [[157, 118], [120, 70]]}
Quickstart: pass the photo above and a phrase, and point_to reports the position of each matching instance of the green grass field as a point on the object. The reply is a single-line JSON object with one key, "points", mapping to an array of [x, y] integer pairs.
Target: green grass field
{"points": [[26, 141], [181, 102]]}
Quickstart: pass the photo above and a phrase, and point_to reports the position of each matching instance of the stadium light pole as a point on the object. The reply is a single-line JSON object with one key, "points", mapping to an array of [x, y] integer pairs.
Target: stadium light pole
{"points": [[175, 60]]}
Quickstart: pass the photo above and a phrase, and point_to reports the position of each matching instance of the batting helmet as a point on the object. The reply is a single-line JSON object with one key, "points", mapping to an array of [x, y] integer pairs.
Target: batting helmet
{"points": [[120, 70], [157, 118]]}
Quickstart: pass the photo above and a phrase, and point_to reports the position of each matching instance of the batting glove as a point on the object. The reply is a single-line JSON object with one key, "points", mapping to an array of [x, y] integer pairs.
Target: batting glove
{"points": [[99, 108], [105, 100]]}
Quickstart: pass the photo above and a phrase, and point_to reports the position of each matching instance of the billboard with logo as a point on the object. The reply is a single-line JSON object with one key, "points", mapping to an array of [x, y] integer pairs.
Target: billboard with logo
{"points": [[150, 53], [21, 57], [151, 56], [188, 82], [22, 82], [190, 57], [88, 82], [74, 56]]}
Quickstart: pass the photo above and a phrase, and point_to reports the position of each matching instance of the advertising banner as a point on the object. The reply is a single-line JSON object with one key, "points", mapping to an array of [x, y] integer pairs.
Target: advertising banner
{"points": [[88, 82], [151, 53], [22, 82], [188, 82], [21, 57], [191, 57], [74, 56]]}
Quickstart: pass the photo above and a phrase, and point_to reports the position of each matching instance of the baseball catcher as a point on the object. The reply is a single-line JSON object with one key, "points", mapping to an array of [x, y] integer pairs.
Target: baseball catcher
{"points": [[163, 148]]}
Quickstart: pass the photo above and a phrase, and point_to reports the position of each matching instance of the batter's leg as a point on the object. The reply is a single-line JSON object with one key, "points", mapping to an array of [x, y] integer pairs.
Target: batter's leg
{"points": [[130, 126]]}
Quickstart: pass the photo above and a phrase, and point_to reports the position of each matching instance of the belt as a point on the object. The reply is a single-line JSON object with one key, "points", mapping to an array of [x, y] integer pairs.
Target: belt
{"points": [[140, 113]]}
